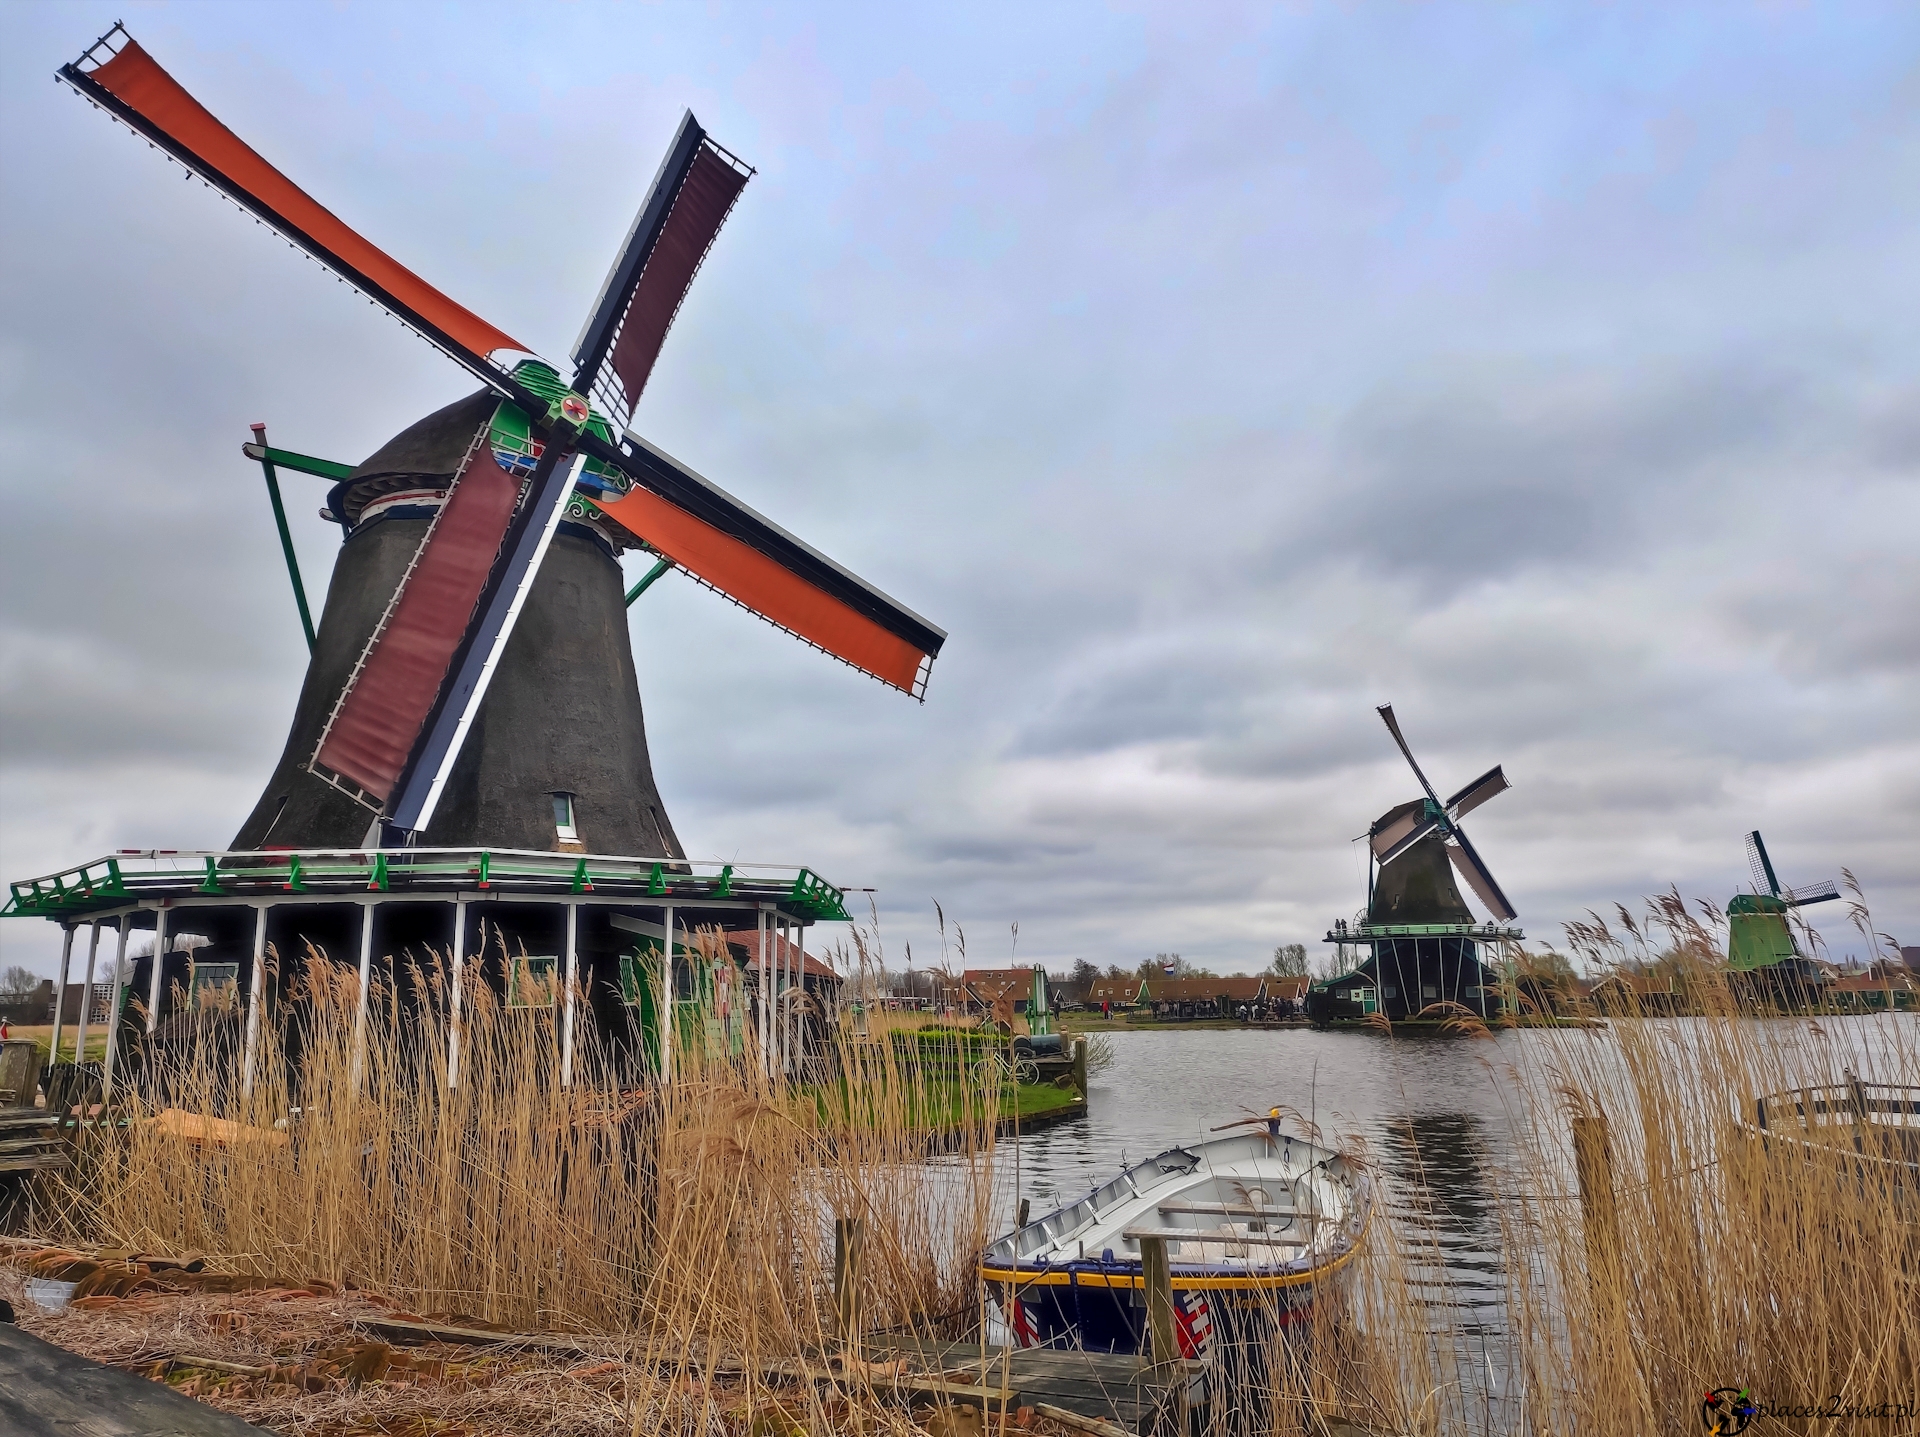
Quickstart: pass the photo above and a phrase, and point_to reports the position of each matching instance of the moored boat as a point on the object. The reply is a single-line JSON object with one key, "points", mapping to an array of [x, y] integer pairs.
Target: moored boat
{"points": [[1255, 1226]]}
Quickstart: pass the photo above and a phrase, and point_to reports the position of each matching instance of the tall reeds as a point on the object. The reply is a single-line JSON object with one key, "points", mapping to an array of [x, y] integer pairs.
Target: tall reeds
{"points": [[698, 1217], [1656, 1246]]}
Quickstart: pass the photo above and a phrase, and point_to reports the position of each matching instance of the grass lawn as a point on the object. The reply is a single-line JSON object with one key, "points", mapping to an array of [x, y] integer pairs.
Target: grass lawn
{"points": [[938, 1106], [42, 1033]]}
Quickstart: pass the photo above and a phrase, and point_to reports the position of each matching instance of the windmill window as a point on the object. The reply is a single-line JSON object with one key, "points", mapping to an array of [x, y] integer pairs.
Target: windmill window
{"points": [[215, 980], [1427, 990], [533, 982], [563, 818]]}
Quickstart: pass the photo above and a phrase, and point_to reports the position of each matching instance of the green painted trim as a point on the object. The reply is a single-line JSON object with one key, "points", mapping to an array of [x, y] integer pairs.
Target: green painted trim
{"points": [[654, 573], [581, 882], [286, 546], [301, 463]]}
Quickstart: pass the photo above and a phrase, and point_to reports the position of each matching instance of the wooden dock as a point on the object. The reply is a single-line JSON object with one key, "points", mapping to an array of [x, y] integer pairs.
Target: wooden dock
{"points": [[1110, 1392]]}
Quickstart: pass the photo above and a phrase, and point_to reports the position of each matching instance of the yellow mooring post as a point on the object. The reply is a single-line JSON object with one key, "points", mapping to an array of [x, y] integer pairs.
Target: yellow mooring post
{"points": [[848, 1241]]}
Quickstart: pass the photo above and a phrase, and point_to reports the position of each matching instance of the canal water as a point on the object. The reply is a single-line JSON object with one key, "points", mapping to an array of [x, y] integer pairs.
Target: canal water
{"points": [[1435, 1114]]}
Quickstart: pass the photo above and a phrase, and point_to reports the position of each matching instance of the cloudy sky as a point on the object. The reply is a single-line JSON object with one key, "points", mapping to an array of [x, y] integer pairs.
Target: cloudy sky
{"points": [[1211, 375]]}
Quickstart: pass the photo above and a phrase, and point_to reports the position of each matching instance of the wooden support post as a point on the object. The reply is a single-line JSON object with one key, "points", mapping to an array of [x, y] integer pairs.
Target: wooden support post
{"points": [[666, 1004], [113, 1010], [453, 992], [59, 998], [1593, 1166], [86, 997], [1080, 1066], [762, 993], [849, 1241], [159, 964], [360, 1005], [1157, 1274], [256, 995], [798, 1018], [572, 975]]}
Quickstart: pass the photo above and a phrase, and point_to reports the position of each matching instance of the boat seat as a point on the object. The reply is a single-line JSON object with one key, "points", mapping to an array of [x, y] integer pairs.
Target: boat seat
{"points": [[1225, 1234], [1223, 1209]]}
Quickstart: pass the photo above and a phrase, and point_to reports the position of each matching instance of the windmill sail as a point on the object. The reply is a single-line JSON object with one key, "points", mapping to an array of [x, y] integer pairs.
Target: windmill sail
{"points": [[1488, 785], [397, 726], [379, 715], [687, 203], [762, 567], [1478, 878], [132, 87]]}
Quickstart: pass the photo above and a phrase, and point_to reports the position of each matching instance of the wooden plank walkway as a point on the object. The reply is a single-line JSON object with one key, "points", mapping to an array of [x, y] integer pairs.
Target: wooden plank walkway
{"points": [[47, 1391], [1105, 1386]]}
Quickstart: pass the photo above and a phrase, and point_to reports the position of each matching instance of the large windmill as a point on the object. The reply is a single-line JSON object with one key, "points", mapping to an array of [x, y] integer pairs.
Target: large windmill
{"points": [[470, 731], [1424, 939]]}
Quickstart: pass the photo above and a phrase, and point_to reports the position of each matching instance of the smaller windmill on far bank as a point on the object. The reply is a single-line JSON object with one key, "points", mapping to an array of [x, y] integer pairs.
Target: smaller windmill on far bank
{"points": [[1759, 938], [1423, 940]]}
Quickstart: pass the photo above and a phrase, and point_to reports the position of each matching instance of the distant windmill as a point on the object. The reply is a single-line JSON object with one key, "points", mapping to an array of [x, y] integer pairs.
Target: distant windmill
{"points": [[1424, 941], [1758, 935], [1402, 830]]}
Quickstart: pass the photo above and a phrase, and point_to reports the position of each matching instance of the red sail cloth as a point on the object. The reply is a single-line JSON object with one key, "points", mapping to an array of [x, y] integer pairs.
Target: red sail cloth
{"points": [[706, 195], [770, 589], [133, 78], [381, 716]]}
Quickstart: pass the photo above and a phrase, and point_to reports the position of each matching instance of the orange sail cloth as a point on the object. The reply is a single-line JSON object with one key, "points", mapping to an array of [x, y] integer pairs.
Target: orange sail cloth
{"points": [[133, 79], [750, 578]]}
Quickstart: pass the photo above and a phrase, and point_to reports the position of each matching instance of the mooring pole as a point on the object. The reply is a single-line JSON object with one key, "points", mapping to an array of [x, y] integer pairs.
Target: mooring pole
{"points": [[286, 537], [113, 1012], [360, 1006], [566, 1021], [60, 992], [666, 1004], [1157, 1276], [256, 995], [159, 962], [1593, 1166], [453, 997], [86, 998], [849, 1239]]}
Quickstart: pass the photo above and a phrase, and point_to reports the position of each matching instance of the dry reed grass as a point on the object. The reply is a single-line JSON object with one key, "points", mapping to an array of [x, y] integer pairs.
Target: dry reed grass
{"points": [[694, 1228]]}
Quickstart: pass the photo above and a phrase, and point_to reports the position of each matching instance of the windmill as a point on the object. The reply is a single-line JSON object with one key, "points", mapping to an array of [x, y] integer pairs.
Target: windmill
{"points": [[469, 737], [503, 472], [1423, 937], [1758, 935]]}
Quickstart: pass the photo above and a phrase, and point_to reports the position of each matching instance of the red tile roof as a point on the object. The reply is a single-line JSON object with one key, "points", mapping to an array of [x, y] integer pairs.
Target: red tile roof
{"points": [[779, 951]]}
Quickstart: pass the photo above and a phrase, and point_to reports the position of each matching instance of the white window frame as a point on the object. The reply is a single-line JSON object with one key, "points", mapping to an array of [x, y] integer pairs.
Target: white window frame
{"points": [[568, 832]]}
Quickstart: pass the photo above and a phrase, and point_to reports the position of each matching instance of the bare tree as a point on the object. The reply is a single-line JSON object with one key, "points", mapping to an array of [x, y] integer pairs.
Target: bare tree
{"points": [[1289, 961], [17, 982]]}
